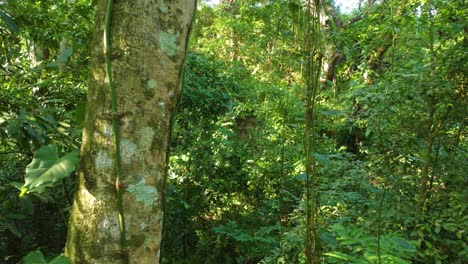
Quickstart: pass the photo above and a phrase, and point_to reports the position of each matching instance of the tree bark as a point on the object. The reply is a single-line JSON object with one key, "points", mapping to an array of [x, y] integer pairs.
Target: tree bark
{"points": [[148, 46]]}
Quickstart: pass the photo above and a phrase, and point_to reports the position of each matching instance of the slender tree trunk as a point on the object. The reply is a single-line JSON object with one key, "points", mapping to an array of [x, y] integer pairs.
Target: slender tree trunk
{"points": [[314, 56], [148, 45], [432, 101]]}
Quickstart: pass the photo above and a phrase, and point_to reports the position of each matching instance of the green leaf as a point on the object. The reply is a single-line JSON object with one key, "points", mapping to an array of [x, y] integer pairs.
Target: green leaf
{"points": [[301, 176], [52, 65], [65, 55], [79, 114], [368, 132], [338, 255], [12, 228], [329, 238], [46, 168], [428, 244], [11, 24], [322, 159], [16, 185], [451, 227], [403, 244], [34, 257], [60, 260], [333, 112]]}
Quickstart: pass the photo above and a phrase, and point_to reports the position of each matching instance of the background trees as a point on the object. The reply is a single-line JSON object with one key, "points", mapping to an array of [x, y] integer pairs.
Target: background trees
{"points": [[391, 132], [39, 105]]}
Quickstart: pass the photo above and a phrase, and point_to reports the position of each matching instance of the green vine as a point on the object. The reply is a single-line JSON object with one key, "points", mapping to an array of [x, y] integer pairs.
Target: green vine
{"points": [[115, 128]]}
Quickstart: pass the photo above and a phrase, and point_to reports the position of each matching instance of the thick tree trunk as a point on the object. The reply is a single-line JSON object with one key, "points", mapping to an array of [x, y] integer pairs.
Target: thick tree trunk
{"points": [[148, 45]]}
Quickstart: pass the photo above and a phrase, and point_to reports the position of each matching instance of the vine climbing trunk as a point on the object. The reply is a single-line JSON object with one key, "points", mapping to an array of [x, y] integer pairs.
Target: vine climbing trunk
{"points": [[135, 83]]}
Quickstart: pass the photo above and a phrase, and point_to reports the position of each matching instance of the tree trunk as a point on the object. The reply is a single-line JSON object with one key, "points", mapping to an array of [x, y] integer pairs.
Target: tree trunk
{"points": [[433, 130], [148, 45]]}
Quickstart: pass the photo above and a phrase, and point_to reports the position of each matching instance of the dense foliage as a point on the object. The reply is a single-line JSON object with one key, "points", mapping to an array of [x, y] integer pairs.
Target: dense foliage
{"points": [[390, 127]]}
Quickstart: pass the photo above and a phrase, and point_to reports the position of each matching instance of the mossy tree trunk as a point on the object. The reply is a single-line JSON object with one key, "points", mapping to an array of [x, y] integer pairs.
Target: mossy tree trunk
{"points": [[148, 45]]}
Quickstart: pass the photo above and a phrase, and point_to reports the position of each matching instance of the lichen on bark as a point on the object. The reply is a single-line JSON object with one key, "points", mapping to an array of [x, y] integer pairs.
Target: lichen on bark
{"points": [[128, 149], [143, 193], [152, 84], [168, 43], [103, 160]]}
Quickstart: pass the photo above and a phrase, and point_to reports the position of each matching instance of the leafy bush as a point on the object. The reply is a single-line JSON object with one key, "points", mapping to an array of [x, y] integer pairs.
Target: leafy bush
{"points": [[354, 245]]}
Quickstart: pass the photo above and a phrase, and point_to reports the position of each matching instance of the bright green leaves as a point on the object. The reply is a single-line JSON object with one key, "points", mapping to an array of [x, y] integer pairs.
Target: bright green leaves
{"points": [[47, 168], [10, 23], [62, 57], [36, 257], [393, 248]]}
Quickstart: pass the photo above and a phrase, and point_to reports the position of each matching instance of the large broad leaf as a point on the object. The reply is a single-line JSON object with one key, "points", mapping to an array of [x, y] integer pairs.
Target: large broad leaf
{"points": [[46, 168], [12, 26], [65, 55], [60, 260], [329, 238], [62, 57], [36, 257]]}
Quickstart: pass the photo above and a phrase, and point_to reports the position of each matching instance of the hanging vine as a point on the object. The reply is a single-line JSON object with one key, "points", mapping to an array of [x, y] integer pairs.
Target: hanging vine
{"points": [[115, 129]]}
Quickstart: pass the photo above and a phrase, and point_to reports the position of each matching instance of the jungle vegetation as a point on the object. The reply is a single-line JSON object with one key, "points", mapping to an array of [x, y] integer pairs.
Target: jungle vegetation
{"points": [[304, 134]]}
